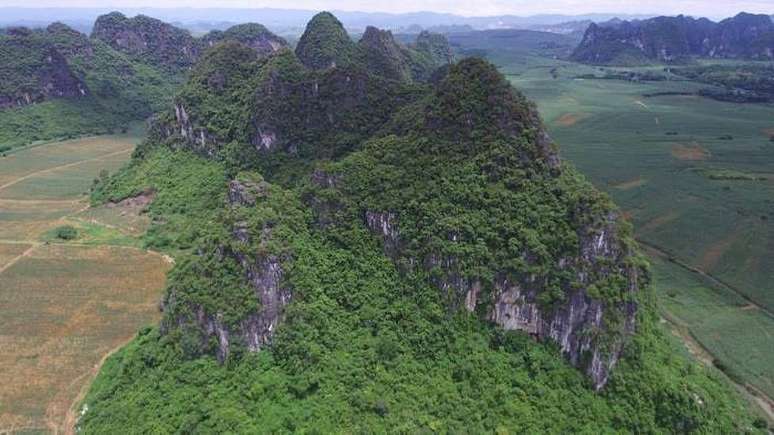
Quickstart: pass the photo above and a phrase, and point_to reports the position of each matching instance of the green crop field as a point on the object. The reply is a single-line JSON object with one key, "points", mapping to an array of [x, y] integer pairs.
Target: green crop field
{"points": [[96, 292], [696, 177]]}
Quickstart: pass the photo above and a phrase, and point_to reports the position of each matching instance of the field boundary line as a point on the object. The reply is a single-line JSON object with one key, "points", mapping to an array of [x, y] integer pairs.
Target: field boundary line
{"points": [[752, 393], [16, 259], [714, 280], [68, 165]]}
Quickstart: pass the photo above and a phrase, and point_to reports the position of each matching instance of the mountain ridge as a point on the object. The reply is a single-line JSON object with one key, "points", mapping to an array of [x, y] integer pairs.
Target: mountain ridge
{"points": [[677, 40]]}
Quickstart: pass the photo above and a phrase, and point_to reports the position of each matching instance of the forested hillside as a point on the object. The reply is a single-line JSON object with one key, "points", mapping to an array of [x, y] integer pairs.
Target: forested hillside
{"points": [[368, 238]]}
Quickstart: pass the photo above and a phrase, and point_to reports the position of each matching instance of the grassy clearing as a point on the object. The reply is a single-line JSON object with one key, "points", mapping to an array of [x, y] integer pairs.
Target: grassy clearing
{"points": [[65, 304]]}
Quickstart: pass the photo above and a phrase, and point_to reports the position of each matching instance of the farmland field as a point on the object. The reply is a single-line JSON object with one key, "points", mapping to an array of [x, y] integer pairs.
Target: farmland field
{"points": [[696, 176], [65, 305]]}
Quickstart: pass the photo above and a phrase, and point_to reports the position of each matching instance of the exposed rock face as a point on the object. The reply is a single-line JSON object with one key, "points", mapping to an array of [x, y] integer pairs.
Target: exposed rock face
{"points": [[253, 35], [148, 39], [576, 324], [37, 72], [676, 39], [263, 273]]}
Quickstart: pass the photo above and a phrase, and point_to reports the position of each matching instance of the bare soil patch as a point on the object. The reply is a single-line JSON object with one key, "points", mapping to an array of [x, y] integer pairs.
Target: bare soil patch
{"points": [[690, 152], [630, 184], [570, 119]]}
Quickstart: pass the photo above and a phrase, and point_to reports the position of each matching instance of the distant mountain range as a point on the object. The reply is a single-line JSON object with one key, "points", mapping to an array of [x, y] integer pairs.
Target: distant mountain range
{"points": [[677, 39], [292, 22]]}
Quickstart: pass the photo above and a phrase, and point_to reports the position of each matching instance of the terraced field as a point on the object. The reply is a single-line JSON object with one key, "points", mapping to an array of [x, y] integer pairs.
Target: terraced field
{"points": [[696, 176], [65, 305]]}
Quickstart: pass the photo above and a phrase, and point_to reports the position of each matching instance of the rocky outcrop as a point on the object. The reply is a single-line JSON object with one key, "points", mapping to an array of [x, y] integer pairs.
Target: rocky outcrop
{"points": [[677, 39], [262, 272], [589, 330], [148, 39], [35, 71], [253, 35]]}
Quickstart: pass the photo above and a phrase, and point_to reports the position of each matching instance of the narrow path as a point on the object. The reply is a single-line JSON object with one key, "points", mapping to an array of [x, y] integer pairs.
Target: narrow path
{"points": [[26, 253], [706, 357], [68, 165], [701, 352]]}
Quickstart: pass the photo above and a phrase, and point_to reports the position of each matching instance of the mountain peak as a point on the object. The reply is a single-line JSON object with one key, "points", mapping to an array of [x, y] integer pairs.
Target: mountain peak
{"points": [[325, 43], [475, 101], [148, 39]]}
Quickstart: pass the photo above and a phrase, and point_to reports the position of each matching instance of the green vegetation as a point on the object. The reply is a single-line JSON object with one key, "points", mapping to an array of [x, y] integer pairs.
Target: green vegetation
{"points": [[154, 42], [729, 174], [739, 83], [66, 232], [325, 43], [368, 342], [677, 164], [88, 89]]}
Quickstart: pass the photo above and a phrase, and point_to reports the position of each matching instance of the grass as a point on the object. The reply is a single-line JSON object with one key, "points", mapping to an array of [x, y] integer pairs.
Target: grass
{"points": [[65, 303], [737, 333], [682, 167]]}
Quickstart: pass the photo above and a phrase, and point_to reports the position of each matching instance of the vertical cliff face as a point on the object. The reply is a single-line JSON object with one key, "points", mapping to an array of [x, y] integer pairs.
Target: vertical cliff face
{"points": [[35, 70], [745, 36], [258, 277], [578, 324], [383, 55], [676, 39], [460, 184], [572, 279]]}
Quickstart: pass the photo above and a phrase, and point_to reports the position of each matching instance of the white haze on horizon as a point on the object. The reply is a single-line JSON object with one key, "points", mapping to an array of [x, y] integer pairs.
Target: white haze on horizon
{"points": [[706, 8]]}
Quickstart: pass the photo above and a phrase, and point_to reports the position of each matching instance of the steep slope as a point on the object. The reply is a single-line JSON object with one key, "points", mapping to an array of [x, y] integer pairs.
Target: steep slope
{"points": [[277, 108], [444, 271], [325, 44], [745, 36], [34, 70], [677, 39], [382, 55], [253, 35], [147, 39], [58, 82]]}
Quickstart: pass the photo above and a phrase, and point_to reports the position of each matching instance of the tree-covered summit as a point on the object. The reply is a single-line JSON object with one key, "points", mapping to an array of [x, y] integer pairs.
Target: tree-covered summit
{"points": [[360, 253]]}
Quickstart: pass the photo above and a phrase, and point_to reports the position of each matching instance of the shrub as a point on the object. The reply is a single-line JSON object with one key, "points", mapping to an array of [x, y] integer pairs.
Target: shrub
{"points": [[66, 232]]}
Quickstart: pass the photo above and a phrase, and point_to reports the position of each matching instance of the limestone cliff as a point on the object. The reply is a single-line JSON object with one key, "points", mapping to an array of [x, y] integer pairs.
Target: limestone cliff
{"points": [[35, 70], [677, 39], [212, 330], [148, 39]]}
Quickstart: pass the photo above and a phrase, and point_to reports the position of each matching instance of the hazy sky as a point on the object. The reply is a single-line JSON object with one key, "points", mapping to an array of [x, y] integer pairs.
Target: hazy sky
{"points": [[710, 8]]}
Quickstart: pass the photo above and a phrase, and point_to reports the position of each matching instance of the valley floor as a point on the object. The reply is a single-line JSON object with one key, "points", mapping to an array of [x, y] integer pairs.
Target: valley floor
{"points": [[65, 305]]}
